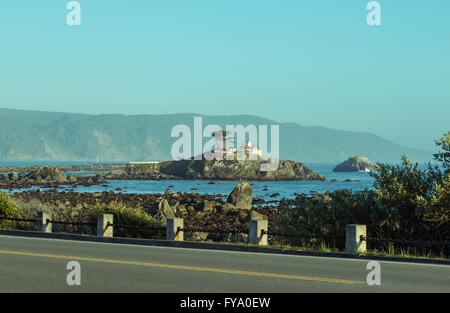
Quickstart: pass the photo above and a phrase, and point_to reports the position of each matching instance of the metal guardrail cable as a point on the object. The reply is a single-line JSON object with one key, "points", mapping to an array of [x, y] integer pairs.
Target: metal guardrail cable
{"points": [[278, 234], [211, 231], [365, 238], [135, 226], [18, 219], [49, 221]]}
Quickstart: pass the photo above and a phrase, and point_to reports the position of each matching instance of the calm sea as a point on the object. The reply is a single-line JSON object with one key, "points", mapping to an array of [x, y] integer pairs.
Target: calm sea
{"points": [[360, 181]]}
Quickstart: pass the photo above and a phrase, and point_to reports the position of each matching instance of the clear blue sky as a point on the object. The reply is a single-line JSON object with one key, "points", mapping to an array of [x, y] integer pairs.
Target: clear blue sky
{"points": [[313, 62]]}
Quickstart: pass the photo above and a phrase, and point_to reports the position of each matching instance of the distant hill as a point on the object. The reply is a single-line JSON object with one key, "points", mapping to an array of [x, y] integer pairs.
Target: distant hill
{"points": [[35, 135]]}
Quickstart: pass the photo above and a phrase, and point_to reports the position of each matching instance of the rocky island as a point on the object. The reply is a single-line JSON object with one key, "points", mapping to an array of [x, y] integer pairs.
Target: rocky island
{"points": [[221, 170], [355, 164]]}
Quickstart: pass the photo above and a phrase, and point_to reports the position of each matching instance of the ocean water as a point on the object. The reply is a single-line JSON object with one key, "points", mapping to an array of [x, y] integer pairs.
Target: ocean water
{"points": [[287, 189]]}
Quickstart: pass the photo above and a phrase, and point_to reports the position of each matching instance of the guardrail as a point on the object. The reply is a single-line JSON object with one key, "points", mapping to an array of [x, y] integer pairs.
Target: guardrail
{"points": [[258, 232]]}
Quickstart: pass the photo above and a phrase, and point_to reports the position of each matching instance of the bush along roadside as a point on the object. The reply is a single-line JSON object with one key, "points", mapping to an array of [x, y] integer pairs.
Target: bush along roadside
{"points": [[7, 210]]}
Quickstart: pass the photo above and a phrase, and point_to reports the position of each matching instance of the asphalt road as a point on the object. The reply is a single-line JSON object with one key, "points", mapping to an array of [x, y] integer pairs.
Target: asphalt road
{"points": [[39, 265]]}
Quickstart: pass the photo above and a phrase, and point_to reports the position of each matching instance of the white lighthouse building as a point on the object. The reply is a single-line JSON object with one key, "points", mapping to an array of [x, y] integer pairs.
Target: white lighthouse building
{"points": [[251, 148]]}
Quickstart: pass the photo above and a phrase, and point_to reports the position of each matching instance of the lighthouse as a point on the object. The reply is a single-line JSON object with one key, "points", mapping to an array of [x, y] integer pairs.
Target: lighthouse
{"points": [[251, 148]]}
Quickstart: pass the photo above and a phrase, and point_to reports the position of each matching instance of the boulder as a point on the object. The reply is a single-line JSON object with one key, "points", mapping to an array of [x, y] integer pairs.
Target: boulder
{"points": [[47, 174], [243, 216], [177, 196], [355, 164], [99, 179], [254, 215], [241, 197], [207, 206], [13, 176], [227, 207], [182, 211], [72, 178]]}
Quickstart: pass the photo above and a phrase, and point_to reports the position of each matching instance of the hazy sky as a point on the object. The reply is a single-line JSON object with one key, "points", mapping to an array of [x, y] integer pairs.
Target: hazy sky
{"points": [[313, 62]]}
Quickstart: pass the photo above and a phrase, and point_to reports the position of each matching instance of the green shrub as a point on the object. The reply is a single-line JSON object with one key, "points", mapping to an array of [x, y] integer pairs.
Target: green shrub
{"points": [[443, 156], [122, 214], [410, 195], [6, 209], [321, 220], [127, 216]]}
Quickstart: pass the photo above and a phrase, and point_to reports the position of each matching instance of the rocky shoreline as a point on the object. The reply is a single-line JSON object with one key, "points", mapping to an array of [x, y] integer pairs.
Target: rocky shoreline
{"points": [[47, 177], [209, 212]]}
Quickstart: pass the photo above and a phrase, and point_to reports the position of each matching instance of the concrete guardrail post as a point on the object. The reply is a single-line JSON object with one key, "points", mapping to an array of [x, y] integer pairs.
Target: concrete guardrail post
{"points": [[353, 243], [255, 235], [42, 224], [103, 230], [173, 229]]}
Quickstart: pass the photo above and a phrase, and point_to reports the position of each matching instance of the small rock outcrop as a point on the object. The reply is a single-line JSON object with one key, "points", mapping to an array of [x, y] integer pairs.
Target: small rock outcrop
{"points": [[13, 176], [241, 197], [355, 164], [47, 174], [39, 176], [71, 178]]}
